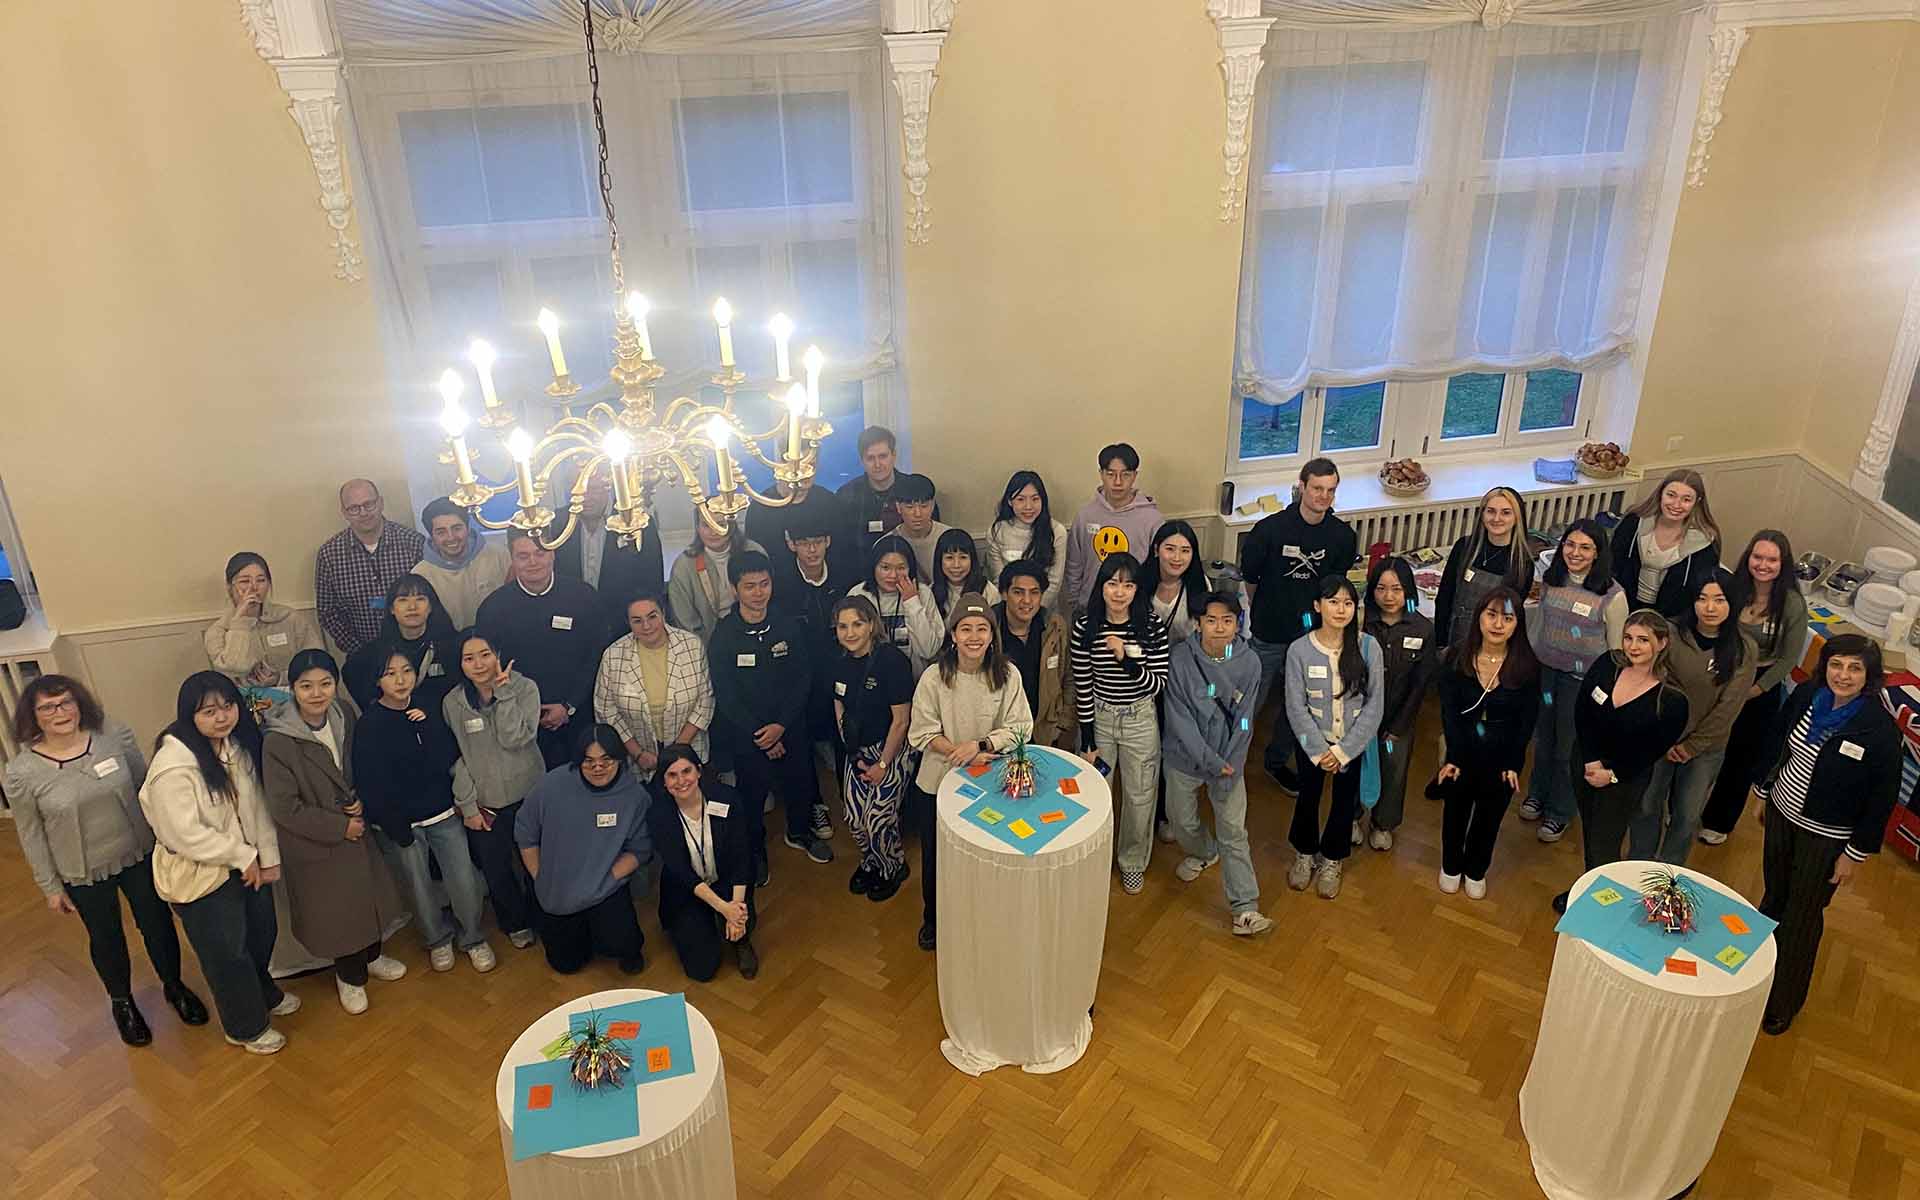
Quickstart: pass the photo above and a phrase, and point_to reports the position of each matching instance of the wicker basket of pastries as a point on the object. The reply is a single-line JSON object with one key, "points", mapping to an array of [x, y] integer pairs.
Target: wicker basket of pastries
{"points": [[1403, 477], [1601, 460]]}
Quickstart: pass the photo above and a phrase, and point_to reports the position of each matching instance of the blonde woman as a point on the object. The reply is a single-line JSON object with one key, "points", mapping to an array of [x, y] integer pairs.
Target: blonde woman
{"points": [[1494, 555], [1666, 546]]}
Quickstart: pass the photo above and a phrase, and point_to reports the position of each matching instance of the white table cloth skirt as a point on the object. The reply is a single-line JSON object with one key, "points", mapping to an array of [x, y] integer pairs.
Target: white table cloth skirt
{"points": [[1634, 1074], [1021, 937], [685, 1147]]}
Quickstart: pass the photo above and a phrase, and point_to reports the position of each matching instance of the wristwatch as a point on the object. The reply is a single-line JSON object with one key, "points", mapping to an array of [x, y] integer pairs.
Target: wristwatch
{"points": [[986, 747]]}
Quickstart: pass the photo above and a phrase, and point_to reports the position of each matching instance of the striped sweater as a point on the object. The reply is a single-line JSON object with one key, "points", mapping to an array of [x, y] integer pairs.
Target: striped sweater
{"points": [[1788, 792], [1100, 678]]}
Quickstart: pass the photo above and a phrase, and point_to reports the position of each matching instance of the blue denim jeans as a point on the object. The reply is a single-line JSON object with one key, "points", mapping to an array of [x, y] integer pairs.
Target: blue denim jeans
{"points": [[1551, 783], [1676, 797], [1228, 838], [447, 841]]}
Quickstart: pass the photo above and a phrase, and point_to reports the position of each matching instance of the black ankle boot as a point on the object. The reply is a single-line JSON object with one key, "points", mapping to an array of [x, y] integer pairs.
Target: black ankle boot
{"points": [[747, 957], [186, 1005], [132, 1026]]}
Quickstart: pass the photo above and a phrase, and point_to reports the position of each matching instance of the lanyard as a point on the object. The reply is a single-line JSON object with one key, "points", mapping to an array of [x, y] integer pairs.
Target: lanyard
{"points": [[699, 839]]}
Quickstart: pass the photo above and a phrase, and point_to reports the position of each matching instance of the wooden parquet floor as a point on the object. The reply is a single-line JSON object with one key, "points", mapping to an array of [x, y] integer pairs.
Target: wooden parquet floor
{"points": [[1368, 1047]]}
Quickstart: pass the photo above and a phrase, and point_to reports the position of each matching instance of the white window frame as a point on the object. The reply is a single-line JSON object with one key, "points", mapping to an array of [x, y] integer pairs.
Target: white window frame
{"points": [[17, 561]]}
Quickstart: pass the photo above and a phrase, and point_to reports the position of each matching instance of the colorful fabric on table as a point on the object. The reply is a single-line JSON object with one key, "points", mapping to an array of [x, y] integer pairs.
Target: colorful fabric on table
{"points": [[1608, 915], [1027, 825]]}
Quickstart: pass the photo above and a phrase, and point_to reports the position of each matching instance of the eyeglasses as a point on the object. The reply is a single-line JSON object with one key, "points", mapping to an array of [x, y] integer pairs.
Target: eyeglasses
{"points": [[362, 510], [47, 708], [809, 543], [1118, 476]]}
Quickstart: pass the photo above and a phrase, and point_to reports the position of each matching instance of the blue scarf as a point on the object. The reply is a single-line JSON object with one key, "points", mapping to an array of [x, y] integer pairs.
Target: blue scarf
{"points": [[1824, 718]]}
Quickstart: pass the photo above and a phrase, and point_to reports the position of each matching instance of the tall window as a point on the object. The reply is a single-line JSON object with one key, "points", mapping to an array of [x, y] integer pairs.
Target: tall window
{"points": [[760, 178], [13, 553], [1444, 233]]}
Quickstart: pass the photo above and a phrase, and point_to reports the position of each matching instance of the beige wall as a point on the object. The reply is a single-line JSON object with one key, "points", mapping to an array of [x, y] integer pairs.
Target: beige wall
{"points": [[1078, 287], [184, 377], [1790, 267]]}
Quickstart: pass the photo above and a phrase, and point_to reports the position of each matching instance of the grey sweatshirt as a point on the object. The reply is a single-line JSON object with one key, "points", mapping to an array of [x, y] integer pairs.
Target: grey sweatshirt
{"points": [[580, 832], [1209, 710], [499, 762]]}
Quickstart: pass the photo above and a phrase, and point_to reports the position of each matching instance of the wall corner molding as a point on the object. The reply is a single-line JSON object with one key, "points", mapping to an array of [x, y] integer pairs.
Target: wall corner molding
{"points": [[1243, 37], [916, 30], [1876, 451], [296, 40], [1724, 43]]}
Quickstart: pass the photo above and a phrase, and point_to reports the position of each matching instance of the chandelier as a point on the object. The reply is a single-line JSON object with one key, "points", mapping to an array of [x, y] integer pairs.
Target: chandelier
{"points": [[641, 449]]}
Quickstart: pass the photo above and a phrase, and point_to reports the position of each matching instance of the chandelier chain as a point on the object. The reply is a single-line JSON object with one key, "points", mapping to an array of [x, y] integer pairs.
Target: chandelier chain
{"points": [[600, 135]]}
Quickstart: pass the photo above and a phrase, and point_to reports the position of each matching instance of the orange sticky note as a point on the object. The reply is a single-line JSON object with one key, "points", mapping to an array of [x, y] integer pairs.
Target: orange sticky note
{"points": [[1734, 924], [1050, 818], [978, 769], [623, 1029], [540, 1096], [659, 1059], [1069, 786], [1682, 966]]}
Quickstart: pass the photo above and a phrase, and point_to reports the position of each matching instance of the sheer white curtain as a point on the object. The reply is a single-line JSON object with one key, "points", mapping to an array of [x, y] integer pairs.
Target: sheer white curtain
{"points": [[755, 177], [1434, 201]]}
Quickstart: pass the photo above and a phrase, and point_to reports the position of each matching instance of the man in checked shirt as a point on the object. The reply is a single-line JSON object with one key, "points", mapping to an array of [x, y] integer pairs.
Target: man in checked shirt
{"points": [[355, 567]]}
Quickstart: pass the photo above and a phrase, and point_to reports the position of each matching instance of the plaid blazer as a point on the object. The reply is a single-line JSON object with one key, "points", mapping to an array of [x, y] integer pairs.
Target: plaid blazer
{"points": [[620, 693]]}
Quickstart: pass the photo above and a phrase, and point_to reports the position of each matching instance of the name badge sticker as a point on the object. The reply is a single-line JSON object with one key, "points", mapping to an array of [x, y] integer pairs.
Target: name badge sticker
{"points": [[1853, 751], [1053, 662], [560, 622], [744, 660], [1584, 610], [1467, 575], [1317, 672], [276, 639], [605, 820], [1412, 643], [779, 649], [720, 810], [106, 767], [1599, 695], [839, 687], [1292, 552], [475, 724], [1133, 650], [876, 526]]}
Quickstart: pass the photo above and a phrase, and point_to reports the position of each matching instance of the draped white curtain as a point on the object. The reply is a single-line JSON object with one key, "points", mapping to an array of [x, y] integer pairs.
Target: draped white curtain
{"points": [[760, 178], [1492, 14], [1430, 201]]}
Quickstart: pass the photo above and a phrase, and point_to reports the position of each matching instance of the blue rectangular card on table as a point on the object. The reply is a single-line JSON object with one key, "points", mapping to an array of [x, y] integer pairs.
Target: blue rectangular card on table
{"points": [[1727, 932], [658, 1039], [550, 1112]]}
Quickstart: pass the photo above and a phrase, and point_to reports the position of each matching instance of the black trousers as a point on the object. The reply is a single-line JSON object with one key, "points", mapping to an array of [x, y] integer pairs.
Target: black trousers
{"points": [[699, 937], [1605, 813], [1334, 839], [99, 907], [498, 857], [232, 932], [352, 968], [926, 818], [608, 928], [1747, 760], [1797, 867], [790, 777], [1474, 806]]}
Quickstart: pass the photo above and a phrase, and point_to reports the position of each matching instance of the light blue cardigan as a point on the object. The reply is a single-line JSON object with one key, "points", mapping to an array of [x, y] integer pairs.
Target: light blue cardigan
{"points": [[1309, 684]]}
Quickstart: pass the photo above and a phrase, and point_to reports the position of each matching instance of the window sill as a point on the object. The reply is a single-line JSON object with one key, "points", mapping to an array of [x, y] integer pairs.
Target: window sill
{"points": [[1467, 477], [32, 640]]}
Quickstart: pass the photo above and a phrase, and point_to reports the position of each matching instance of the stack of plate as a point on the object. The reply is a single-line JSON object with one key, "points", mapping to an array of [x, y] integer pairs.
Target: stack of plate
{"points": [[1888, 564], [1910, 583], [1874, 603]]}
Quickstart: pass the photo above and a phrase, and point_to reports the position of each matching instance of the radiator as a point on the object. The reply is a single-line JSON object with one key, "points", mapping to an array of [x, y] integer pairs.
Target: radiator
{"points": [[1412, 526]]}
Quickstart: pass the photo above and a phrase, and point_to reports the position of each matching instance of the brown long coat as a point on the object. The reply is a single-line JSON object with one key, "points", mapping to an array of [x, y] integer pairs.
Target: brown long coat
{"points": [[339, 894], [1054, 723]]}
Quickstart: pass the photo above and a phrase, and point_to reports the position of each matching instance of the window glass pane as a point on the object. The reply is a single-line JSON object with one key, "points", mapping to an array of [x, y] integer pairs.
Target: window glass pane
{"points": [[1903, 463], [536, 161], [1496, 263], [443, 167], [1357, 115], [1473, 405], [826, 278], [1546, 104], [731, 151], [819, 133], [1369, 296], [579, 289], [1576, 267], [1267, 430], [1351, 419], [1552, 399], [1283, 303]]}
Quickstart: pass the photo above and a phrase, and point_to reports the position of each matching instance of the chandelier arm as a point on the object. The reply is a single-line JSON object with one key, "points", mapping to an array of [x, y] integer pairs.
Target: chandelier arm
{"points": [[573, 520], [769, 501], [486, 524], [673, 410], [596, 410], [575, 426], [593, 458]]}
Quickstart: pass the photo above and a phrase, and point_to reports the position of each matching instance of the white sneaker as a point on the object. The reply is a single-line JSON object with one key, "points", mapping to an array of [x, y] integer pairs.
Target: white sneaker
{"points": [[1248, 923], [482, 958], [1381, 839], [1165, 833], [1358, 836], [1190, 867], [1326, 880], [441, 957], [1449, 883], [521, 938], [1300, 874], [289, 1005], [269, 1042], [1476, 888], [353, 997], [388, 968], [1712, 837]]}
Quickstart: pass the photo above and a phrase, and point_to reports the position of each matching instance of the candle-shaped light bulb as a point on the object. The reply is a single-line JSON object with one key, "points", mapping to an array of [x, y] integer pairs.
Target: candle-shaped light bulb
{"points": [[717, 433], [617, 446], [637, 311], [782, 329], [450, 387], [481, 354], [723, 317], [796, 407], [453, 419], [520, 445], [813, 360], [550, 325]]}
